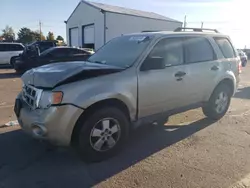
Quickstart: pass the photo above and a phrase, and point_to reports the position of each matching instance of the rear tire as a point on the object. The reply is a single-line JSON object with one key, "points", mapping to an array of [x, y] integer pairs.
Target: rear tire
{"points": [[218, 103], [102, 134]]}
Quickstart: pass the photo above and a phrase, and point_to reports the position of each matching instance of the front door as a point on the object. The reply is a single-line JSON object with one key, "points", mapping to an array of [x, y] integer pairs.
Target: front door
{"points": [[164, 89]]}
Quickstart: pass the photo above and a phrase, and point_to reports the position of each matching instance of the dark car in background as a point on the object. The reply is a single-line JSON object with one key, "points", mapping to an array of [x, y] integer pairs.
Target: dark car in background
{"points": [[52, 55], [243, 57], [33, 49]]}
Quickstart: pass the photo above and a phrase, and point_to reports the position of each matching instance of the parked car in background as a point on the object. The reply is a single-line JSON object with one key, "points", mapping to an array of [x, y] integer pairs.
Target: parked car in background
{"points": [[132, 80], [32, 50], [52, 55], [243, 57], [42, 45], [9, 50]]}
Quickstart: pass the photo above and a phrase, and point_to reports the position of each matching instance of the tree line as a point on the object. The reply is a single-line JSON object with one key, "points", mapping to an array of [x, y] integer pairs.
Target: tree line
{"points": [[26, 35]]}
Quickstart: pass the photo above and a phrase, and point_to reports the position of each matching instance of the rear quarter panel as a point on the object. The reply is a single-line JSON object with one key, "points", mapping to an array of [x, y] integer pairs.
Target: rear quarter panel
{"points": [[228, 67]]}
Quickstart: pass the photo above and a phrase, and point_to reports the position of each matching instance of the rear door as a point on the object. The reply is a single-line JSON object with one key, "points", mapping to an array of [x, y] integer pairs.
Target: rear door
{"points": [[7, 51], [15, 49], [164, 89], [230, 61], [202, 67]]}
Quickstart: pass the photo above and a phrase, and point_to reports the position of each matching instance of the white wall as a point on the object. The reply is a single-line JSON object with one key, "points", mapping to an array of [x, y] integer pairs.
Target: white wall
{"points": [[118, 24], [84, 15]]}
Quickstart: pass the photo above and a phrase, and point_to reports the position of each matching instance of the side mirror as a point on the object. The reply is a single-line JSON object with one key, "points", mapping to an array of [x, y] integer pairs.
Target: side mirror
{"points": [[153, 63]]}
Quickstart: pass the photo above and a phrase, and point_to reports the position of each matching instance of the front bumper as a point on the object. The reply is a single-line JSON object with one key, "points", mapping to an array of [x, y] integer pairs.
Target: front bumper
{"points": [[54, 124]]}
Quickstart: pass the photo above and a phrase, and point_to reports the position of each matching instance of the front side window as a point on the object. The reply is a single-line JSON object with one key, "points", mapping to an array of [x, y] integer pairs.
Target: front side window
{"points": [[198, 49], [225, 47], [170, 49], [121, 51]]}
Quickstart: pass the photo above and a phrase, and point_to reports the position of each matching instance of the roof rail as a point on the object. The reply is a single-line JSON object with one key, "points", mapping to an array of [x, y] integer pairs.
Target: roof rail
{"points": [[148, 31], [195, 29]]}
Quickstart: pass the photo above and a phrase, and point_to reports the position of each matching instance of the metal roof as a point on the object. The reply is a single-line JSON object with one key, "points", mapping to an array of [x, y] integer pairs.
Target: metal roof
{"points": [[126, 11]]}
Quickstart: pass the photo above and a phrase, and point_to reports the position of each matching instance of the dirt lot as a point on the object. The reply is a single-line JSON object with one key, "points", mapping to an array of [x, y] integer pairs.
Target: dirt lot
{"points": [[190, 151]]}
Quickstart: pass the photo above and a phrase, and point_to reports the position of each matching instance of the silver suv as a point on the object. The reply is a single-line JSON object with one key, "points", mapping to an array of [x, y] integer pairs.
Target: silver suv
{"points": [[133, 80]]}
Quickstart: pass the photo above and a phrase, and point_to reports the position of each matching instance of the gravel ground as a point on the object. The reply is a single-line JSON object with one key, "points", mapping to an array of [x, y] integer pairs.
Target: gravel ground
{"points": [[189, 151]]}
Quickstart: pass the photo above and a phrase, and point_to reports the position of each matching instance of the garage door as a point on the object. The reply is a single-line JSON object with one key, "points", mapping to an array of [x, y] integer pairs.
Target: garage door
{"points": [[89, 34], [74, 37]]}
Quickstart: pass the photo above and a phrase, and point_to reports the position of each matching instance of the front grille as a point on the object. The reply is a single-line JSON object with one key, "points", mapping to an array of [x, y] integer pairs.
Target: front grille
{"points": [[31, 96]]}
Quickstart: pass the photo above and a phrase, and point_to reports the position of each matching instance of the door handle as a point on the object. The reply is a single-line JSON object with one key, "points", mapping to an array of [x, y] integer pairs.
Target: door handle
{"points": [[215, 68], [180, 74]]}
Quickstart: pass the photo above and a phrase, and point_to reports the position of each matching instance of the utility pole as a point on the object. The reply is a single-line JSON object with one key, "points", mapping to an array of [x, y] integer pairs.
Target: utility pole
{"points": [[201, 25], [40, 29], [185, 22]]}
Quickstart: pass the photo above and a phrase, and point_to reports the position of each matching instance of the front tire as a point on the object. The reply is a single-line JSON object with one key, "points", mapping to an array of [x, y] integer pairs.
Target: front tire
{"points": [[218, 103], [102, 134]]}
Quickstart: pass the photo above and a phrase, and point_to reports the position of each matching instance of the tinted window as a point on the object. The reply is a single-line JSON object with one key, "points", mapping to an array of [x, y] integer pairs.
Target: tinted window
{"points": [[60, 52], [15, 47], [2, 48], [77, 51], [198, 49], [226, 47], [45, 45], [171, 50], [46, 52]]}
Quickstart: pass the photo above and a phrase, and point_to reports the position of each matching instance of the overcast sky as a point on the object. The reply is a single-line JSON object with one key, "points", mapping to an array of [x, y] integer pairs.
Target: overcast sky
{"points": [[228, 16]]}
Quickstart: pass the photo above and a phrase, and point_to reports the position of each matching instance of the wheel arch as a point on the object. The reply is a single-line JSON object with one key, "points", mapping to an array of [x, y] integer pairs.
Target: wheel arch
{"points": [[100, 104], [229, 82]]}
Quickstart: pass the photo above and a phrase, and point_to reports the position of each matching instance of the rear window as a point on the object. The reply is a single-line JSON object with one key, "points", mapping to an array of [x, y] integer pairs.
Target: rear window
{"points": [[225, 47], [198, 49]]}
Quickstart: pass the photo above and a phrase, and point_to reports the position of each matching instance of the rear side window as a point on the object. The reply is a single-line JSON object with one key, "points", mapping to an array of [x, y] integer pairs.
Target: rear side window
{"points": [[10, 47], [77, 51], [2, 48], [198, 49], [225, 47], [15, 47], [45, 45], [60, 52]]}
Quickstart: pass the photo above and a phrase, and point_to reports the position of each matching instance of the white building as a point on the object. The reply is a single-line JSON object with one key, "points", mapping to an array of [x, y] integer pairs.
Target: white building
{"points": [[93, 24]]}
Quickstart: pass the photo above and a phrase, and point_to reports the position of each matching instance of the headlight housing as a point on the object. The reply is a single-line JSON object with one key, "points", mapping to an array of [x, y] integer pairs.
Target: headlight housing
{"points": [[49, 98]]}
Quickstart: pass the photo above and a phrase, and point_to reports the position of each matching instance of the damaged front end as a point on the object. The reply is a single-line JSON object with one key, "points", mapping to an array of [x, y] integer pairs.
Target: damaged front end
{"points": [[53, 75], [39, 83]]}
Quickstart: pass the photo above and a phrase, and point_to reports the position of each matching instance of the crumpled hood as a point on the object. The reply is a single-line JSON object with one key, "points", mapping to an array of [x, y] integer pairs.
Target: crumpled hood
{"points": [[52, 75]]}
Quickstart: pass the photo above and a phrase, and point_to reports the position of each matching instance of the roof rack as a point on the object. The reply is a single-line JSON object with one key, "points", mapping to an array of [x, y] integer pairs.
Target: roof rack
{"points": [[148, 31], [195, 29]]}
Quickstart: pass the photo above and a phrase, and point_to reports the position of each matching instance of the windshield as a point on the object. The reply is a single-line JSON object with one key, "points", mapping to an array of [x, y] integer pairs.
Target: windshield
{"points": [[121, 51]]}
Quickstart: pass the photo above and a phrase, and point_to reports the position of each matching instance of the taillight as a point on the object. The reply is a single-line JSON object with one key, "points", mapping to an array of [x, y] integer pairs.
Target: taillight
{"points": [[239, 67]]}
